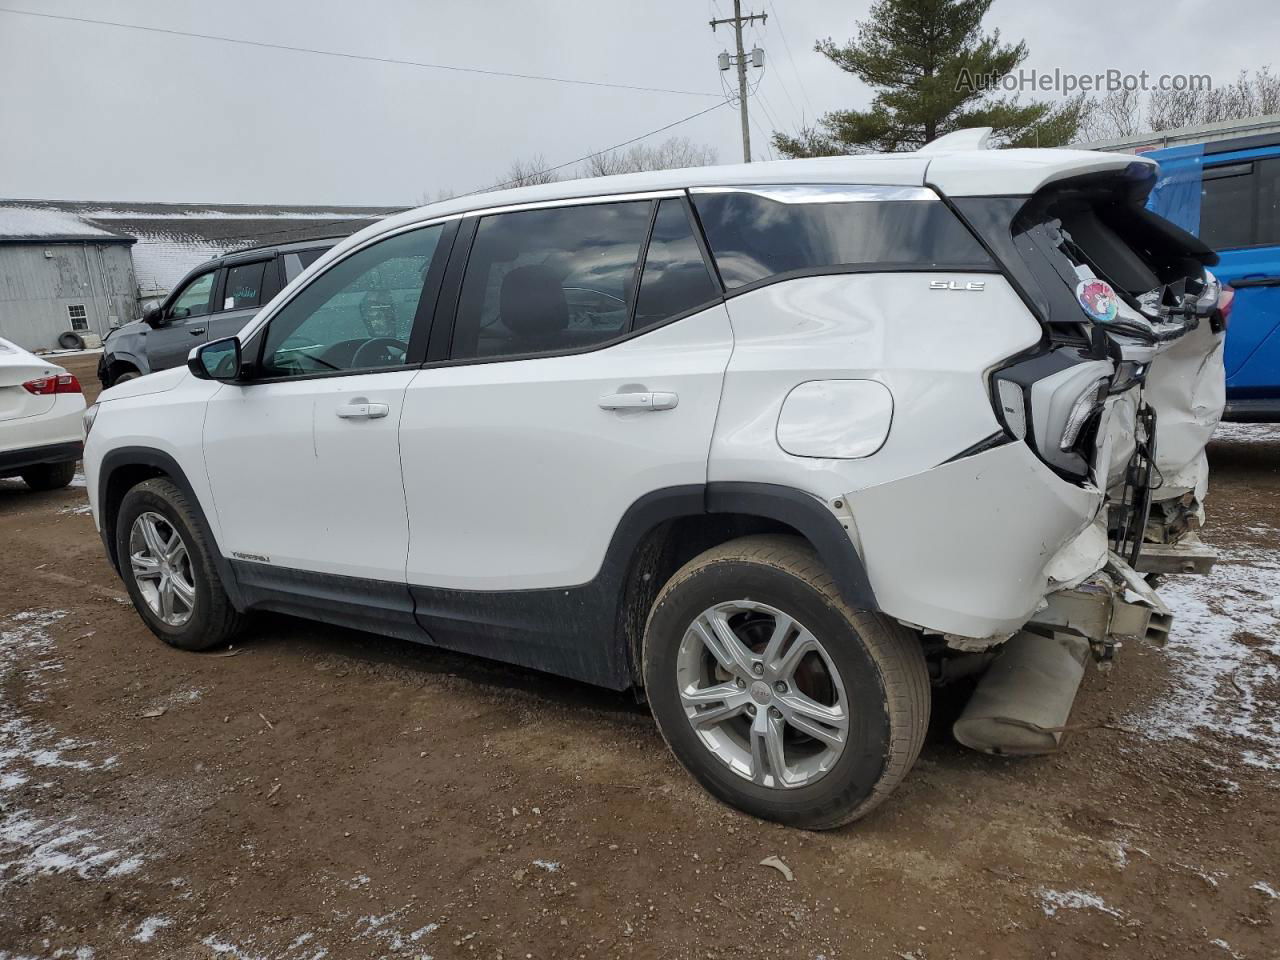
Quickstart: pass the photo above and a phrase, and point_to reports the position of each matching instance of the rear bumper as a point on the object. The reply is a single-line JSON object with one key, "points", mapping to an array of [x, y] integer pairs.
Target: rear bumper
{"points": [[14, 461], [972, 547]]}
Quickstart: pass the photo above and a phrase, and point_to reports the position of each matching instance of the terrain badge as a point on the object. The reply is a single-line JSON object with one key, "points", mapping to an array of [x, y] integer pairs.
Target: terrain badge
{"points": [[1098, 299]]}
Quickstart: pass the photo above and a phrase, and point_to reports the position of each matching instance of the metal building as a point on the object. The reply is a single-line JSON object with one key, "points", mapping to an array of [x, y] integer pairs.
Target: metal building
{"points": [[41, 300], [59, 273]]}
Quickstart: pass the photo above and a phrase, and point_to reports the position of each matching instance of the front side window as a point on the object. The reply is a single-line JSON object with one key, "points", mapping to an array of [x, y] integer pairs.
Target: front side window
{"points": [[193, 301], [356, 315], [540, 281], [244, 286], [755, 236], [675, 278]]}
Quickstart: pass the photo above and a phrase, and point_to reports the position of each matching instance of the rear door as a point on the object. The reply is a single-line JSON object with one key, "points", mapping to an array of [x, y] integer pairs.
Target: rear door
{"points": [[1240, 218], [186, 323], [567, 392]]}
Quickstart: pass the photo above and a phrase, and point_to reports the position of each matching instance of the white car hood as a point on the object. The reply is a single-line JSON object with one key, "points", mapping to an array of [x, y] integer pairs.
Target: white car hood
{"points": [[142, 386]]}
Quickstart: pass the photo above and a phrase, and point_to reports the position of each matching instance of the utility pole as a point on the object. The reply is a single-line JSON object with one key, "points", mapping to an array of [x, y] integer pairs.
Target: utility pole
{"points": [[757, 60]]}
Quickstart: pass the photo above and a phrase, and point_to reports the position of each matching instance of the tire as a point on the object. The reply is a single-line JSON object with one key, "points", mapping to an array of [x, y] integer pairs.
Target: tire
{"points": [[126, 375], [70, 340], [210, 619], [49, 476], [868, 669]]}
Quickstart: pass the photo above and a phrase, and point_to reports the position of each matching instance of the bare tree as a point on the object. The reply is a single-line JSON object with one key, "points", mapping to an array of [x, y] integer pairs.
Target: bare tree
{"points": [[671, 153], [1248, 96], [1117, 114], [527, 173], [444, 193]]}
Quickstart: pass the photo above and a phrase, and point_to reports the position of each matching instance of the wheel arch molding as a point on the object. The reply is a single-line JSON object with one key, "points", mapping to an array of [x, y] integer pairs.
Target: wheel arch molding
{"points": [[124, 468]]}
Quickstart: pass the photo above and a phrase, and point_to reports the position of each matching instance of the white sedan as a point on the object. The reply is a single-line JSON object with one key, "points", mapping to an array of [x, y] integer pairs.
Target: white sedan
{"points": [[41, 419]]}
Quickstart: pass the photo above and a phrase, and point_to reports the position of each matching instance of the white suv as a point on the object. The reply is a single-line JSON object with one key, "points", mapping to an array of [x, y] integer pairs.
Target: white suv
{"points": [[777, 445]]}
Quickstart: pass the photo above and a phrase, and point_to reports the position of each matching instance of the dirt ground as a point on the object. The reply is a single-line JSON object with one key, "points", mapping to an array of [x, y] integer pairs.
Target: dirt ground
{"points": [[323, 793]]}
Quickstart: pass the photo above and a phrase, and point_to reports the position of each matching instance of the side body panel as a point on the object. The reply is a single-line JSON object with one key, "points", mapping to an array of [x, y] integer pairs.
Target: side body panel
{"points": [[953, 541], [517, 478]]}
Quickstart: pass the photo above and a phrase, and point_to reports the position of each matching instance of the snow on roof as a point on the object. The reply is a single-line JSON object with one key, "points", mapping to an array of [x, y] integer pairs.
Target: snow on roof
{"points": [[30, 223]]}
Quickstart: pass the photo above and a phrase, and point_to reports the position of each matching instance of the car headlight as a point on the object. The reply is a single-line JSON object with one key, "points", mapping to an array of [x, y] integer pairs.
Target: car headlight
{"points": [[90, 415]]}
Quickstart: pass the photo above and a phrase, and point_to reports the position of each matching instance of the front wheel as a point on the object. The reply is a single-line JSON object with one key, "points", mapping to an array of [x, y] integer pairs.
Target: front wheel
{"points": [[167, 565], [774, 694]]}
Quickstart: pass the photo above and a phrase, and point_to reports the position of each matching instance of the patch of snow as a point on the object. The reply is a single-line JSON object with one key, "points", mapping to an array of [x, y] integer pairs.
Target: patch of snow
{"points": [[33, 222], [78, 480], [1247, 433], [1224, 685], [1263, 887], [32, 844], [550, 866], [1227, 947], [79, 510], [149, 927], [1051, 901]]}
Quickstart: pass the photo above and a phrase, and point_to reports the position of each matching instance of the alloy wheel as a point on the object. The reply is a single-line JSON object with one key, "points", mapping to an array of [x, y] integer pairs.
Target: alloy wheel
{"points": [[762, 694], [161, 568]]}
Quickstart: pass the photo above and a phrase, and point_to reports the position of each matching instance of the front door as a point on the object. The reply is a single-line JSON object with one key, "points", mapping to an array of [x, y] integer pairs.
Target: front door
{"points": [[304, 458], [1240, 218], [185, 323]]}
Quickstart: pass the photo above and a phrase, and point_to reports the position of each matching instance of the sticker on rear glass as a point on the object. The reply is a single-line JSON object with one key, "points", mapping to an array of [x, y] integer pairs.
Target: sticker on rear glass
{"points": [[1098, 299]]}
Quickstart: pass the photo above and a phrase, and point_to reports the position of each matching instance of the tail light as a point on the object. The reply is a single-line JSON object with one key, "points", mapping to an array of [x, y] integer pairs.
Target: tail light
{"points": [[58, 383], [1226, 300]]}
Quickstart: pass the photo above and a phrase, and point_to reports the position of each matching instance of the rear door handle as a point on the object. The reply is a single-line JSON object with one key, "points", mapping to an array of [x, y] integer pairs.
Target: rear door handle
{"points": [[362, 410], [197, 331], [639, 401]]}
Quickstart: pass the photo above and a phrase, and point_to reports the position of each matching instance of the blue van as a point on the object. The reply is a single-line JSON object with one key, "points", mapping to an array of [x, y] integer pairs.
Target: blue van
{"points": [[1227, 192]]}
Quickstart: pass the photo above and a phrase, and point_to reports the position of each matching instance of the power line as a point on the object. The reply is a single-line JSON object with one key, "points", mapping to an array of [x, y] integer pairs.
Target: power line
{"points": [[498, 186], [596, 153], [777, 21], [358, 56]]}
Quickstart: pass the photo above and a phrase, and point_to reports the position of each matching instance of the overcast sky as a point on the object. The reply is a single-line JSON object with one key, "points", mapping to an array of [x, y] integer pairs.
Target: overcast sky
{"points": [[99, 112]]}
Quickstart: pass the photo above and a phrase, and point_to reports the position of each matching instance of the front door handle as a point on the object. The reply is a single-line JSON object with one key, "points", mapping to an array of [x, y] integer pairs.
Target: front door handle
{"points": [[197, 331], [639, 401], [361, 409]]}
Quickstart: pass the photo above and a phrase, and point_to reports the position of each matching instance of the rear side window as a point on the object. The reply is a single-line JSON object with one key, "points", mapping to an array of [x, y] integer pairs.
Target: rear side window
{"points": [[675, 278], [1227, 206], [755, 236], [540, 281], [244, 286], [295, 263]]}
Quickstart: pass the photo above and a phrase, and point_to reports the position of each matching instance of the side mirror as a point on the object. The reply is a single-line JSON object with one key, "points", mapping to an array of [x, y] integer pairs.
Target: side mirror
{"points": [[153, 313], [219, 360]]}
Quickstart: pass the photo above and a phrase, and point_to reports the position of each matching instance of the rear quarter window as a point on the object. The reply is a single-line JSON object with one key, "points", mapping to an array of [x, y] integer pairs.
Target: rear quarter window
{"points": [[780, 231]]}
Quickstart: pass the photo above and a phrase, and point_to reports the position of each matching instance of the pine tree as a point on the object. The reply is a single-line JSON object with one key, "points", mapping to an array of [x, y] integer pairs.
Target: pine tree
{"points": [[928, 61]]}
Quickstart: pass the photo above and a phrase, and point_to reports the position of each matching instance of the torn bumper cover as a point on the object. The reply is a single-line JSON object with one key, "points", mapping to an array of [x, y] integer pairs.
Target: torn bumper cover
{"points": [[971, 548]]}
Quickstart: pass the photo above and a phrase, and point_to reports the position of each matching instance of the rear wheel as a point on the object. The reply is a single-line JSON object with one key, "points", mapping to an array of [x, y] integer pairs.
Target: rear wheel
{"points": [[167, 564], [124, 375], [49, 476], [774, 694]]}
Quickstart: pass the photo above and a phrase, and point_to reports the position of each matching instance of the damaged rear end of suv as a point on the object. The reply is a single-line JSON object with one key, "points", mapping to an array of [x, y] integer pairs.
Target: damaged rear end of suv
{"points": [[1120, 397]]}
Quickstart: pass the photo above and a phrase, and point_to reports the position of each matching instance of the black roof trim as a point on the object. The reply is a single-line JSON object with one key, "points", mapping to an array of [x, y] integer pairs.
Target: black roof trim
{"points": [[30, 241], [1242, 143]]}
